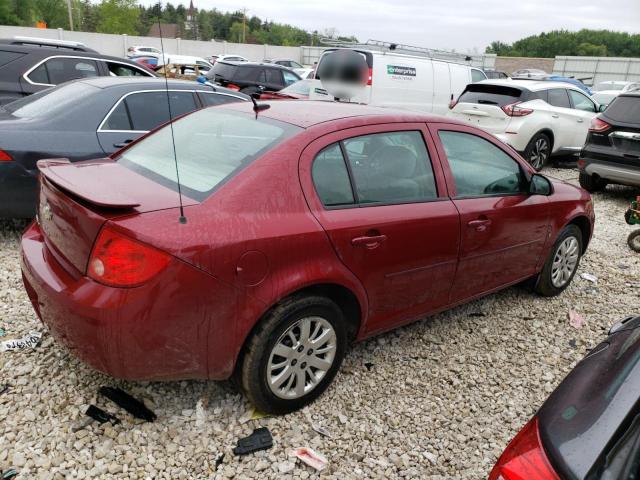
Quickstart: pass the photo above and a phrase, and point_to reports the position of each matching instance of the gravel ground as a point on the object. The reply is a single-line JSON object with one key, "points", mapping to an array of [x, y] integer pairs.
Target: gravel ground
{"points": [[438, 399]]}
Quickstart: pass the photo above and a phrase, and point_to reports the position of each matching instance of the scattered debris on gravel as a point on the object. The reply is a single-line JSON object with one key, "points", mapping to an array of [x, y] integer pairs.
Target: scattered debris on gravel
{"points": [[438, 399]]}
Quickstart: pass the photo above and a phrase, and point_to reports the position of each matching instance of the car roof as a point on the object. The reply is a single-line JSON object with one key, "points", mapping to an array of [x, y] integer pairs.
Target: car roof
{"points": [[153, 83], [253, 64], [533, 85], [307, 113]]}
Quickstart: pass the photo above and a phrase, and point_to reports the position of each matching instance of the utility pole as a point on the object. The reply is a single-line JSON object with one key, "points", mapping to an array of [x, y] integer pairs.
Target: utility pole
{"points": [[70, 15]]}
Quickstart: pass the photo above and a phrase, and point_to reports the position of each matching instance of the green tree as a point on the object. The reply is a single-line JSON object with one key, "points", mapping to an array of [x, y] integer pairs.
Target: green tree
{"points": [[8, 14], [118, 16], [52, 12]]}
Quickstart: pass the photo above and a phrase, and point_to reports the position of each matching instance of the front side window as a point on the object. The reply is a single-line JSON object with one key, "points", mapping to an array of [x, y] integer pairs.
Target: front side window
{"points": [[477, 76], [211, 145], [479, 167], [273, 76], [581, 102], [558, 98], [59, 70], [211, 99], [289, 78]]}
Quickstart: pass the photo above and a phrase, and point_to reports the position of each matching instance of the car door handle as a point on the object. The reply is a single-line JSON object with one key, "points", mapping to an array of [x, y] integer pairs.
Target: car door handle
{"points": [[480, 225], [369, 241], [555, 115], [123, 144]]}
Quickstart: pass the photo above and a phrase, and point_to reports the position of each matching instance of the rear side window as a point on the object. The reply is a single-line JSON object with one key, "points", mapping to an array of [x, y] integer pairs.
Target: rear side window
{"points": [[273, 76], [150, 109], [212, 145], [247, 74], [120, 70], [8, 57], [480, 168], [331, 178], [222, 71], [491, 95], [624, 109], [59, 70], [558, 98]]}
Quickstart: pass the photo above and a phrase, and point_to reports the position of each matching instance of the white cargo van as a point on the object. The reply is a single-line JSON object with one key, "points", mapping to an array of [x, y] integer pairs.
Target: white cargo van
{"points": [[405, 81]]}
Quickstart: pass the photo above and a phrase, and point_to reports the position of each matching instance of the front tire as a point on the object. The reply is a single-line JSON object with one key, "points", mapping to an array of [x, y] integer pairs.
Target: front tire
{"points": [[591, 184], [562, 263], [633, 240], [538, 151], [294, 354]]}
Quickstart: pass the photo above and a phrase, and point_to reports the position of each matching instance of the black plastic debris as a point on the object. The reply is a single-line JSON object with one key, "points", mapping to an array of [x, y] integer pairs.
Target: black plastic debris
{"points": [[101, 416], [260, 439], [11, 473], [572, 343], [369, 365], [4, 388], [130, 404], [218, 461], [477, 314]]}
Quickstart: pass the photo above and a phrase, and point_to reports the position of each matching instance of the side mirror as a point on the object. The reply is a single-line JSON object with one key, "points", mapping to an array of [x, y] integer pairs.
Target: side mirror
{"points": [[540, 185], [603, 107], [256, 95]]}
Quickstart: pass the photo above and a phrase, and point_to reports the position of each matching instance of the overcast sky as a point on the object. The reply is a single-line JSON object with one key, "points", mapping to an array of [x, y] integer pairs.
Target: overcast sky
{"points": [[459, 24]]}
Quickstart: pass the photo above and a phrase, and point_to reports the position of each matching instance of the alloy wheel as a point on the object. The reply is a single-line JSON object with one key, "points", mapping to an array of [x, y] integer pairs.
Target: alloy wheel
{"points": [[539, 153], [301, 358], [565, 262]]}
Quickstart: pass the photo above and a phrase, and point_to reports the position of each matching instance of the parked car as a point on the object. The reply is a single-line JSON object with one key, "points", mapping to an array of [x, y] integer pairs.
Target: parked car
{"points": [[170, 58], [298, 91], [138, 50], [572, 81], [400, 80], [605, 97], [537, 118], [611, 153], [495, 74], [620, 85], [85, 119], [284, 255], [588, 428], [227, 58], [251, 77], [150, 62], [529, 73], [291, 64], [26, 68], [47, 42]]}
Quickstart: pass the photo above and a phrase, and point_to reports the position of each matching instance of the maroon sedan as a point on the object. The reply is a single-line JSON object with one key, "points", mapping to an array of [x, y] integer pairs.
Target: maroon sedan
{"points": [[308, 226]]}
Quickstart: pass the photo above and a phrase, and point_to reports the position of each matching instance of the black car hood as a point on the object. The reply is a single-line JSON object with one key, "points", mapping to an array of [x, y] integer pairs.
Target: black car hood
{"points": [[594, 405]]}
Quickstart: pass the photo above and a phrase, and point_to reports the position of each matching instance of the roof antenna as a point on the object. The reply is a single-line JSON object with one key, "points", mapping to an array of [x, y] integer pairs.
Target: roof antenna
{"points": [[182, 218], [259, 107]]}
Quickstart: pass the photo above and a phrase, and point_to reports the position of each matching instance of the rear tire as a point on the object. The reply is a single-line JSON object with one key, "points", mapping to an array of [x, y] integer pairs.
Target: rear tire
{"points": [[294, 354], [538, 151], [590, 183], [633, 240], [562, 263]]}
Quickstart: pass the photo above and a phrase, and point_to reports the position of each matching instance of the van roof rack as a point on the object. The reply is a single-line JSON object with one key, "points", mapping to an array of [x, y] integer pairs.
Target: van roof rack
{"points": [[49, 42], [381, 46]]}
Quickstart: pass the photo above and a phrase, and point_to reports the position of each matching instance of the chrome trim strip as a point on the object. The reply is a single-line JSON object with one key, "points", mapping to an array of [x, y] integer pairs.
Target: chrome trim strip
{"points": [[625, 135]]}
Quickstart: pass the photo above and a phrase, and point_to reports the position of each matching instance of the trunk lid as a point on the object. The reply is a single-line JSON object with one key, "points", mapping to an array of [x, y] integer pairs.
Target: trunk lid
{"points": [[77, 198], [595, 405], [486, 116]]}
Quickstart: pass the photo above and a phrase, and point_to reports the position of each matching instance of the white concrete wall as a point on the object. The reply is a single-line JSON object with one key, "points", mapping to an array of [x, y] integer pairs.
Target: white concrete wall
{"points": [[598, 69], [117, 44]]}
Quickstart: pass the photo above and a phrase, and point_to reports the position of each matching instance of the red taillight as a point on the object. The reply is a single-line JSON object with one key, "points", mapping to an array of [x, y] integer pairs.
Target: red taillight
{"points": [[5, 157], [598, 125], [452, 104], [513, 110], [233, 86], [524, 458], [119, 261], [370, 77]]}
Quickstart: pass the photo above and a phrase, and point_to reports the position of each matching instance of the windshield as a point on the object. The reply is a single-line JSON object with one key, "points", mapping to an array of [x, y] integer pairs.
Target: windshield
{"points": [[211, 146], [301, 87], [50, 101]]}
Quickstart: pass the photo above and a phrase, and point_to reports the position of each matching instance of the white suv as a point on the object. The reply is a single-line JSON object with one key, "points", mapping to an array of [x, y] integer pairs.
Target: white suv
{"points": [[537, 118]]}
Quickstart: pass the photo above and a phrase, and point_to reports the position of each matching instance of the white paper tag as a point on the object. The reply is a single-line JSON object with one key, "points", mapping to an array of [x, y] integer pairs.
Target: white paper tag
{"points": [[28, 341]]}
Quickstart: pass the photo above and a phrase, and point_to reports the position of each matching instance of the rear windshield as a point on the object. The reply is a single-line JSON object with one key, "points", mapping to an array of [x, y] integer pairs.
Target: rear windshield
{"points": [[222, 70], [211, 145], [624, 109], [490, 94], [368, 56], [51, 101]]}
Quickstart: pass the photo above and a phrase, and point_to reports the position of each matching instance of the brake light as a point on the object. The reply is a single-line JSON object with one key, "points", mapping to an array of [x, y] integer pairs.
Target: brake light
{"points": [[452, 104], [524, 458], [120, 261], [5, 157], [370, 78], [513, 110], [233, 86], [598, 125]]}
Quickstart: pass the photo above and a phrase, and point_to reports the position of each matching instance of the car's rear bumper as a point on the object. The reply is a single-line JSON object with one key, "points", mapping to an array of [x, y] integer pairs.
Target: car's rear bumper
{"points": [[614, 172], [161, 330], [18, 191]]}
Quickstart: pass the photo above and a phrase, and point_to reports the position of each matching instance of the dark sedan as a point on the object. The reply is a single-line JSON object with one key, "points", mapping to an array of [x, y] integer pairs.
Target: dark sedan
{"points": [[86, 119], [589, 428]]}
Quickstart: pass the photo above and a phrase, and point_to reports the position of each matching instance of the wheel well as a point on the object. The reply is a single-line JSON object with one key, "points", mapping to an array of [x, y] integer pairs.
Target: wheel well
{"points": [[585, 227], [549, 134]]}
